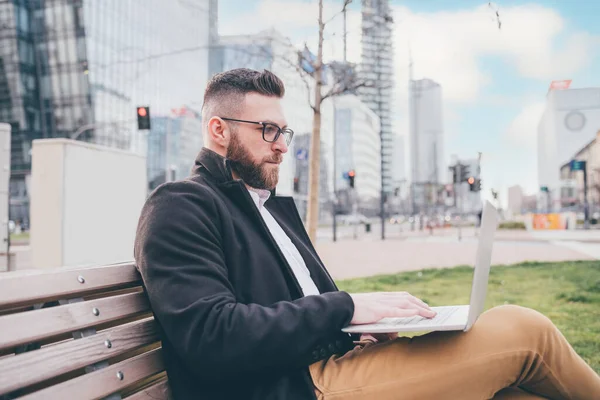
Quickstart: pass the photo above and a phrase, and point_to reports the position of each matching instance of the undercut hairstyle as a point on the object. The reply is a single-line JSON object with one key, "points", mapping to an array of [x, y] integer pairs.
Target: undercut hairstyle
{"points": [[225, 92]]}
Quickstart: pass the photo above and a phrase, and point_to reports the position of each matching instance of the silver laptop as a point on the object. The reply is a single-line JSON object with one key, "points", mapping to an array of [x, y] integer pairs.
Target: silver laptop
{"points": [[449, 318]]}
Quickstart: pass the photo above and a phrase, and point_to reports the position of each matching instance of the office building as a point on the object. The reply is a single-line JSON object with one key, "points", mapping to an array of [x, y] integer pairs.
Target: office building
{"points": [[357, 146], [79, 68], [572, 193], [173, 144], [520, 203], [570, 121], [377, 66], [301, 146], [515, 200], [426, 140]]}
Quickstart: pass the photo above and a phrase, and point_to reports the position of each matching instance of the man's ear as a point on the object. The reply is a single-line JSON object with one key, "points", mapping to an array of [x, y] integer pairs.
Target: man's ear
{"points": [[218, 131]]}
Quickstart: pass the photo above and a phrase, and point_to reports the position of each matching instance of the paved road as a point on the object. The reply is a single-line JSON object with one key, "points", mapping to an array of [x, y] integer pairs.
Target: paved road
{"points": [[407, 250], [404, 231]]}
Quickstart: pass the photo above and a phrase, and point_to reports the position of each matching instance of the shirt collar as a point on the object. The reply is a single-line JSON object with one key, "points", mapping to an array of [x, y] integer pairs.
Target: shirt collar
{"points": [[259, 196]]}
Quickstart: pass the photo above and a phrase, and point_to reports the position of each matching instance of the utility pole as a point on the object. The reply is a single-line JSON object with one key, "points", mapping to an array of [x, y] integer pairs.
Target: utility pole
{"points": [[382, 192], [5, 135], [335, 139], [335, 134], [346, 2], [581, 165], [413, 100], [586, 205]]}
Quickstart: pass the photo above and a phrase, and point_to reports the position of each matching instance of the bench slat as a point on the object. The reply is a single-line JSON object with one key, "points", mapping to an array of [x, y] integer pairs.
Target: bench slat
{"points": [[29, 287], [39, 365], [158, 391], [104, 382], [32, 326]]}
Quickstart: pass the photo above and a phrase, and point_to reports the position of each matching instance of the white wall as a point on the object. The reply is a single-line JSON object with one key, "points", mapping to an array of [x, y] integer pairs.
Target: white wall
{"points": [[559, 135], [85, 203]]}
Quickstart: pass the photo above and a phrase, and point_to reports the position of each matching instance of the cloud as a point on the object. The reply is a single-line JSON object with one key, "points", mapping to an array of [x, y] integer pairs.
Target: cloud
{"points": [[522, 131], [449, 46]]}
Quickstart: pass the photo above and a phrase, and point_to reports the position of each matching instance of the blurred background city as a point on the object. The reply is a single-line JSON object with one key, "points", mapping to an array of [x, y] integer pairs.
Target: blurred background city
{"points": [[428, 109], [408, 116]]}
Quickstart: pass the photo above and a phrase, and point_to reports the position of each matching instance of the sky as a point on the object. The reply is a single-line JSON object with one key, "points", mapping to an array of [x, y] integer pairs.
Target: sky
{"points": [[494, 79]]}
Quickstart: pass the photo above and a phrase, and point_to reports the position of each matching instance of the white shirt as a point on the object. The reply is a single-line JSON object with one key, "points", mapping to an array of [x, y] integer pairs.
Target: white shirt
{"points": [[289, 250]]}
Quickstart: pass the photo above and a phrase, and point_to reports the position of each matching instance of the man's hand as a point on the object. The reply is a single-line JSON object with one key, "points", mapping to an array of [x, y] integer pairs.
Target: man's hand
{"points": [[371, 307], [378, 337]]}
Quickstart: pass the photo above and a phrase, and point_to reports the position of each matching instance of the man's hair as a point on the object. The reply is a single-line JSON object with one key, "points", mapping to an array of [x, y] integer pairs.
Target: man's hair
{"points": [[225, 92]]}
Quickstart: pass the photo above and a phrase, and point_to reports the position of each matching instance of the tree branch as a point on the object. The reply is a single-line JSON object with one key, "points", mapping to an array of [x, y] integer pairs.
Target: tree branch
{"points": [[346, 4]]}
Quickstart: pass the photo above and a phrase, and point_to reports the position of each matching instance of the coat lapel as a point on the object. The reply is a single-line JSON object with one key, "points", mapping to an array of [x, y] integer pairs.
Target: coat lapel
{"points": [[281, 210]]}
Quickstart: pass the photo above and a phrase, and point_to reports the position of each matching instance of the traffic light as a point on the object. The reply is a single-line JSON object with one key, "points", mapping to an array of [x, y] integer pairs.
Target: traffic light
{"points": [[296, 185], [463, 173], [474, 184], [351, 175], [143, 118]]}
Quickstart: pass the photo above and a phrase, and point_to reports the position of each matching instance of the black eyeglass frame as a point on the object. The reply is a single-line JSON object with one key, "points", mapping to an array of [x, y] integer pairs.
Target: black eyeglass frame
{"points": [[285, 131]]}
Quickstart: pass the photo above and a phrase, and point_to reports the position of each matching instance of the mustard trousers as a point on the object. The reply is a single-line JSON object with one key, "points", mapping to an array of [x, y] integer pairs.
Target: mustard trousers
{"points": [[511, 352]]}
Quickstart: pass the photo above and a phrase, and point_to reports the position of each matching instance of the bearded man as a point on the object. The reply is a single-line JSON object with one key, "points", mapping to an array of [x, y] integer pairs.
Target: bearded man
{"points": [[247, 309]]}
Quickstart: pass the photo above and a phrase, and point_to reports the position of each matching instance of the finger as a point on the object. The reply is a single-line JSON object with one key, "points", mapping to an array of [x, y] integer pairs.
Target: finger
{"points": [[427, 313], [396, 312], [419, 302], [421, 310], [402, 295], [405, 301]]}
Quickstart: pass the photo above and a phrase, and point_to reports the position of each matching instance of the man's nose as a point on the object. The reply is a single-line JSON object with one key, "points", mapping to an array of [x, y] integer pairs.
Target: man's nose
{"points": [[280, 144]]}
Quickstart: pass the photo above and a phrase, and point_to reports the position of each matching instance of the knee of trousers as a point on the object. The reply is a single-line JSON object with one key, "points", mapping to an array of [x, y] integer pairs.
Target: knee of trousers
{"points": [[521, 320]]}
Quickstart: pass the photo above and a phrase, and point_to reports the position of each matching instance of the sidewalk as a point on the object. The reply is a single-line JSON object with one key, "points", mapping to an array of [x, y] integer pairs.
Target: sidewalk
{"points": [[404, 232], [351, 259], [507, 234]]}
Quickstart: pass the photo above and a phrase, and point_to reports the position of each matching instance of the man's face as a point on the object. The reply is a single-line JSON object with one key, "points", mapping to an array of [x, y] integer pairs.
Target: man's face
{"points": [[252, 159]]}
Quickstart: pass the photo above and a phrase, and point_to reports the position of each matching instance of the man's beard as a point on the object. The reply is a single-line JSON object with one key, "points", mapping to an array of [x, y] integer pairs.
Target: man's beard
{"points": [[258, 176]]}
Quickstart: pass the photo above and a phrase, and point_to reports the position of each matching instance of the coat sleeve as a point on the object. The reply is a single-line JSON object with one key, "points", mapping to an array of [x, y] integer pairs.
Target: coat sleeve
{"points": [[179, 251]]}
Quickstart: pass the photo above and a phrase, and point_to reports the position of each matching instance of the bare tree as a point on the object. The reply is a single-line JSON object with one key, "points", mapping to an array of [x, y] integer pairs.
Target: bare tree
{"points": [[311, 69], [343, 82]]}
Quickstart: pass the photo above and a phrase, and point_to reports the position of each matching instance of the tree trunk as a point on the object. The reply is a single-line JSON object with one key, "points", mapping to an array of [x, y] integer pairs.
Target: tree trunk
{"points": [[312, 214]]}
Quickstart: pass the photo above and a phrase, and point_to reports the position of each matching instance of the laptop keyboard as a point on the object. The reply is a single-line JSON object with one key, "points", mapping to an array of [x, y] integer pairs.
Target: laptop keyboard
{"points": [[443, 313]]}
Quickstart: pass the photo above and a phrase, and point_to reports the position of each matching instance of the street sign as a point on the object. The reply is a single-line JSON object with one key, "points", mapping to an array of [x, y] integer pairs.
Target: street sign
{"points": [[577, 165], [544, 189], [302, 154]]}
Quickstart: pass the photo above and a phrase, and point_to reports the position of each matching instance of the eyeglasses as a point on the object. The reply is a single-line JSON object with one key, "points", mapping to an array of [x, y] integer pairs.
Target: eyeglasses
{"points": [[270, 132]]}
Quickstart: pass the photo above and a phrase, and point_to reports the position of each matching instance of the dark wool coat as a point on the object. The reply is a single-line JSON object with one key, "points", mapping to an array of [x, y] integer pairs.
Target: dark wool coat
{"points": [[233, 319]]}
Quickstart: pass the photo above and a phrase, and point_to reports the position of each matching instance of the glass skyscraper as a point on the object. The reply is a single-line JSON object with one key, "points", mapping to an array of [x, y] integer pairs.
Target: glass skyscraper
{"points": [[78, 69], [173, 144]]}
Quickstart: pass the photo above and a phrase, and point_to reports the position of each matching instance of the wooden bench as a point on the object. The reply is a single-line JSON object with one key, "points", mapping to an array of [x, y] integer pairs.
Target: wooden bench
{"points": [[79, 333]]}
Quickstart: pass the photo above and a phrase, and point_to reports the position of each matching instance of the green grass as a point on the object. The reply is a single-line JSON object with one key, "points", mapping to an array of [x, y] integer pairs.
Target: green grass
{"points": [[512, 225], [19, 236], [568, 293]]}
